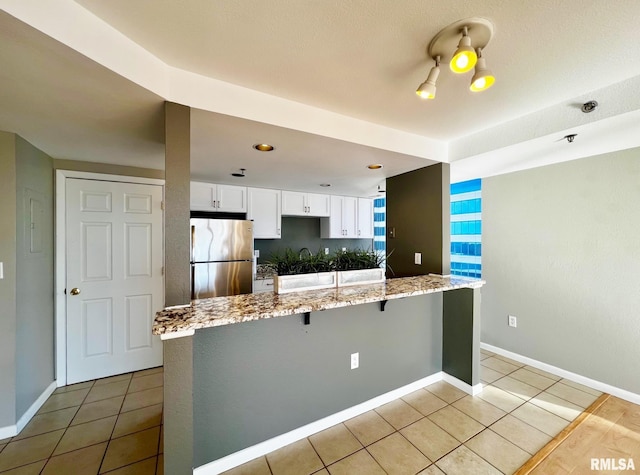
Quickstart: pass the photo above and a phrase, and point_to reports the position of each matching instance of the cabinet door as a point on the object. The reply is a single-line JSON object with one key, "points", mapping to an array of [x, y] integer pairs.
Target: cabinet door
{"points": [[263, 207], [365, 218], [331, 227], [202, 196], [318, 205], [350, 216], [231, 198], [294, 203]]}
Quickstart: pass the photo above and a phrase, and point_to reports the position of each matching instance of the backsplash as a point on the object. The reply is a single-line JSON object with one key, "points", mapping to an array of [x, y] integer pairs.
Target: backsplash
{"points": [[298, 233]]}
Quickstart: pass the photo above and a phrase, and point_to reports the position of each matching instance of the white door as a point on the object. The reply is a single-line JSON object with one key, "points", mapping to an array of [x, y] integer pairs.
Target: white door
{"points": [[319, 205], [114, 277], [294, 203]]}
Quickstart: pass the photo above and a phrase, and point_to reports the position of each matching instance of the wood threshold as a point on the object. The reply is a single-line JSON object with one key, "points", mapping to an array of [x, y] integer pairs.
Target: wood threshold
{"points": [[545, 451]]}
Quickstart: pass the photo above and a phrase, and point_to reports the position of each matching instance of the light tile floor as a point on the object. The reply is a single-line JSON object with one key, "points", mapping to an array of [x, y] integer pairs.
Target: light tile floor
{"points": [[440, 429], [111, 425], [114, 426]]}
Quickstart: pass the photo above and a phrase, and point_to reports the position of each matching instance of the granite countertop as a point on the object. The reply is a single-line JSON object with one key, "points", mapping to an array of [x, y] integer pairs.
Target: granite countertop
{"points": [[221, 311]]}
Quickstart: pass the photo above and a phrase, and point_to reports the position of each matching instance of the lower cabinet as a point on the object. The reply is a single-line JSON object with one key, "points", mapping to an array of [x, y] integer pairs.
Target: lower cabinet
{"points": [[263, 207], [262, 285]]}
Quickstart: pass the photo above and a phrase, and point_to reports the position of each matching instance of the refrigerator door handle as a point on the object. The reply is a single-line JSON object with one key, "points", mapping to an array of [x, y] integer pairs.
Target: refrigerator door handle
{"points": [[193, 243]]}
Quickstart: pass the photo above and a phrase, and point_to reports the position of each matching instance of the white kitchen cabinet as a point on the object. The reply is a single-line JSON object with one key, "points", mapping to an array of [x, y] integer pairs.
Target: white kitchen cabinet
{"points": [[262, 285], [365, 218], [295, 203], [221, 198], [263, 207], [342, 223]]}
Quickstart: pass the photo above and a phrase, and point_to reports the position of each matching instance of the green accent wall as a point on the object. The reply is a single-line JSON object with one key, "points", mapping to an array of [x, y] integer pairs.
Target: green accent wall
{"points": [[418, 221]]}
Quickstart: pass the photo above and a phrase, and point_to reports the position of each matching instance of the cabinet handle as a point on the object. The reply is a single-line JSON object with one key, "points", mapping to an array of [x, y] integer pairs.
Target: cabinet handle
{"points": [[358, 232], [278, 230]]}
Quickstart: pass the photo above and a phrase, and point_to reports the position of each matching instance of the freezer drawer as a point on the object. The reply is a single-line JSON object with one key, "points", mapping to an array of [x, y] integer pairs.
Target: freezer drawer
{"points": [[219, 279]]}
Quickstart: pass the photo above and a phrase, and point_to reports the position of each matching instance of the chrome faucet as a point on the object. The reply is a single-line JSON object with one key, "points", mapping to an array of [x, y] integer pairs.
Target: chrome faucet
{"points": [[303, 250]]}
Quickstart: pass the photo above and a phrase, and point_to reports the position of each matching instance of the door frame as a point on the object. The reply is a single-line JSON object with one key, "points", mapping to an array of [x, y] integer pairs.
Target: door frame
{"points": [[60, 300]]}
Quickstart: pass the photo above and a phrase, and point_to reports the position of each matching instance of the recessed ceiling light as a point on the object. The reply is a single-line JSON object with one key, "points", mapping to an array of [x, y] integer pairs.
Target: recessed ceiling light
{"points": [[374, 166], [264, 147], [325, 184]]}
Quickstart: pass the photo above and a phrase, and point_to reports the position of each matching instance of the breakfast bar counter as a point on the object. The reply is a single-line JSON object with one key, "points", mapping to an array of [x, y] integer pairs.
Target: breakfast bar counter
{"points": [[221, 311], [247, 374]]}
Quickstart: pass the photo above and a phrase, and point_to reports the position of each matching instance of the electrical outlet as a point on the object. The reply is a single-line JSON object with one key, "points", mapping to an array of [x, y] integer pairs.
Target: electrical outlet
{"points": [[326, 250], [417, 258], [513, 321], [256, 253], [355, 360], [344, 249]]}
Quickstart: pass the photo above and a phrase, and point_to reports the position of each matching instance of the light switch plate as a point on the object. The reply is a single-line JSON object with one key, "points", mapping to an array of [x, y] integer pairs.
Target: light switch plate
{"points": [[256, 253], [418, 258]]}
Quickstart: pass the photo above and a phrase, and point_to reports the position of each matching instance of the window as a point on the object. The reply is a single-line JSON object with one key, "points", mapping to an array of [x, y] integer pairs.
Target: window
{"points": [[379, 222], [466, 228]]}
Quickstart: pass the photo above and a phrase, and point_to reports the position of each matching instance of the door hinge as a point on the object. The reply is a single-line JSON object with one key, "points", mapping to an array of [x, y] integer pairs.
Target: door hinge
{"points": [[162, 205]]}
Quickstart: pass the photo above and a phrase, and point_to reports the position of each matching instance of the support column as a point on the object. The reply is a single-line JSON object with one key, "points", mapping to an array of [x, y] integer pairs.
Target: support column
{"points": [[177, 165], [461, 335]]}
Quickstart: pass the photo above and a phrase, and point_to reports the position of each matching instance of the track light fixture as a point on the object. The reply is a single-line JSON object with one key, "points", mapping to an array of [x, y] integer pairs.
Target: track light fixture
{"points": [[464, 59], [465, 52], [482, 78], [427, 90]]}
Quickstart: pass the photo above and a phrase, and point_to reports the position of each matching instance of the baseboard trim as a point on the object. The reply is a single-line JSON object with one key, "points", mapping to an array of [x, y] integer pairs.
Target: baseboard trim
{"points": [[592, 383], [13, 430], [467, 388], [8, 431], [263, 448], [35, 407]]}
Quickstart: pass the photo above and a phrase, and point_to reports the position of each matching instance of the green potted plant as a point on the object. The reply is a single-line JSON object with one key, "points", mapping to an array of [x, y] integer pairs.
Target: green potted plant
{"points": [[359, 266], [302, 271]]}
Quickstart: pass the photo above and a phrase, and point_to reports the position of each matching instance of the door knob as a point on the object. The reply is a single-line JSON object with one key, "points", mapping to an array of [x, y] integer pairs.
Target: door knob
{"points": [[75, 291]]}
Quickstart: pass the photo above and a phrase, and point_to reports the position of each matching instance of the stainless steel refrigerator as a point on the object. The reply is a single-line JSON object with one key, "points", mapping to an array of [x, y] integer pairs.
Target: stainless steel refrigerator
{"points": [[221, 257]]}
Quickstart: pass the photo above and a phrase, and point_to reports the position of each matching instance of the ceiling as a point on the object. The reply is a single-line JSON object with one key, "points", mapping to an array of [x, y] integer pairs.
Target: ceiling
{"points": [[330, 83]]}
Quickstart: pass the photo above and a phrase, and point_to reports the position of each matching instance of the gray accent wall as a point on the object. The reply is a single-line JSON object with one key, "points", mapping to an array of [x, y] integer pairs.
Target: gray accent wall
{"points": [[26, 291], [561, 252], [299, 232], [260, 379], [34, 259], [418, 221], [8, 284]]}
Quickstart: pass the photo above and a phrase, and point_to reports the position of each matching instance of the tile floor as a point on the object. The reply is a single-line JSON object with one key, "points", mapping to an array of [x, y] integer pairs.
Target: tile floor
{"points": [[114, 426], [111, 425], [440, 429]]}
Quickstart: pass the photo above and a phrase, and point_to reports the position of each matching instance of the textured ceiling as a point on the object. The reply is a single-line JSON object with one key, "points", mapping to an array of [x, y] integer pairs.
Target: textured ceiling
{"points": [[365, 58], [331, 82]]}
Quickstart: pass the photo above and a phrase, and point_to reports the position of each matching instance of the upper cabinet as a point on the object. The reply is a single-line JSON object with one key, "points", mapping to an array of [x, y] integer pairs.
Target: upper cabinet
{"points": [[263, 207], [350, 218], [305, 204], [221, 198], [342, 221], [365, 218]]}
